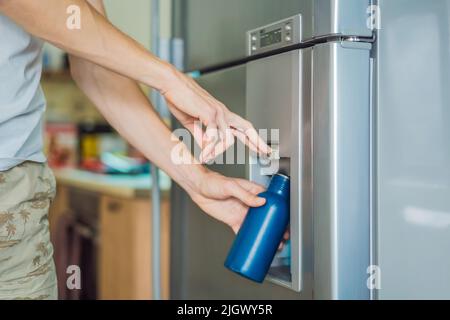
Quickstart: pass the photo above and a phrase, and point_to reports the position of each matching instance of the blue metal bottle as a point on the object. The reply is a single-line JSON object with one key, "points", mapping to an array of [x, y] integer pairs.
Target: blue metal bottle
{"points": [[258, 238]]}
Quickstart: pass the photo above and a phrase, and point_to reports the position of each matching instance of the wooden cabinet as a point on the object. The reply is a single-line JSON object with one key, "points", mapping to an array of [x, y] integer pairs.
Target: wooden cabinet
{"points": [[125, 251], [124, 268]]}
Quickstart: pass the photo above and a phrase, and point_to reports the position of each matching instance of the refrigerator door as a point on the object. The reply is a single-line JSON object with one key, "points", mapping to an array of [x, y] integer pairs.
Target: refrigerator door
{"points": [[214, 30], [200, 244], [279, 104], [347, 17], [413, 149], [341, 170]]}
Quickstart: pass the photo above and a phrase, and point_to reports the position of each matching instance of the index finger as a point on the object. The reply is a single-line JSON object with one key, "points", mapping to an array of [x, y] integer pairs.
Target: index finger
{"points": [[250, 186], [247, 128]]}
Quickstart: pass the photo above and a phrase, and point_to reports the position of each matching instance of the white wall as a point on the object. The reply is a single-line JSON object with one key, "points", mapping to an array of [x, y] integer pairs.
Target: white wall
{"points": [[133, 17], [166, 18]]}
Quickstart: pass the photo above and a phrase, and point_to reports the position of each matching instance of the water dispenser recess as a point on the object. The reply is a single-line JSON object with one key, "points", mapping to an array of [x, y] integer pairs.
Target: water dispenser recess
{"points": [[278, 104], [257, 241]]}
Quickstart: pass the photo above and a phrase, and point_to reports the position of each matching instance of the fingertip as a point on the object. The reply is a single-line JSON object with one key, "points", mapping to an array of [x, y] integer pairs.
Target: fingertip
{"points": [[254, 201], [201, 158], [260, 201], [207, 154], [266, 151]]}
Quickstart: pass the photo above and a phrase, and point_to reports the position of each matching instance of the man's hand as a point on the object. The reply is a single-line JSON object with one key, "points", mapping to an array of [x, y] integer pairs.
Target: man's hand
{"points": [[194, 107], [227, 199]]}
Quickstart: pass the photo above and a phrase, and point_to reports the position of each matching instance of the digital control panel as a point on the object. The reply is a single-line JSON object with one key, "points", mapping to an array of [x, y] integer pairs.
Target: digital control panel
{"points": [[273, 36]]}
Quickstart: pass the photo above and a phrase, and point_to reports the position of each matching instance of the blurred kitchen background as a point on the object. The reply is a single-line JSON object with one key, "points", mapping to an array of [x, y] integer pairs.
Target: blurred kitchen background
{"points": [[101, 217]]}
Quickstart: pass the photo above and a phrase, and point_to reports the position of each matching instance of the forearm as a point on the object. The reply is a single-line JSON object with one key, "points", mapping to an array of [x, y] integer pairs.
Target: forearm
{"points": [[121, 101], [128, 110], [97, 40]]}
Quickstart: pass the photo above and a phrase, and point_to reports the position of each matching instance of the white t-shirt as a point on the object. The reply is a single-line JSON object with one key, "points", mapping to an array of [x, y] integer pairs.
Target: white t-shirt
{"points": [[22, 102]]}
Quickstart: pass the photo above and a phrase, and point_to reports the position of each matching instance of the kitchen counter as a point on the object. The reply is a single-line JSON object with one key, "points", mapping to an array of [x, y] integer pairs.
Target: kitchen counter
{"points": [[124, 186], [117, 211]]}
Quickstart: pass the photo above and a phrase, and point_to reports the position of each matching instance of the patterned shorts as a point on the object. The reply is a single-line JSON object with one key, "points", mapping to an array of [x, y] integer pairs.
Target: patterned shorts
{"points": [[27, 269]]}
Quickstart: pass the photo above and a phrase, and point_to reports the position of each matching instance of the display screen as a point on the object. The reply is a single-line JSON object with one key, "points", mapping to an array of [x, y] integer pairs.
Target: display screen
{"points": [[271, 37]]}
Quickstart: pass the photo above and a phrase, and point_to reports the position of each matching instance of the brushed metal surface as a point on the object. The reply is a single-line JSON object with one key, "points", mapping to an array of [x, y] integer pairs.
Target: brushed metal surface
{"points": [[413, 158], [279, 97], [341, 172], [214, 30], [341, 16]]}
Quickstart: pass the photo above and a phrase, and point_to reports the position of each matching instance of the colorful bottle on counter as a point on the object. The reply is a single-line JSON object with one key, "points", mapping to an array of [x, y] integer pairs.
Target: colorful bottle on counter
{"points": [[258, 238]]}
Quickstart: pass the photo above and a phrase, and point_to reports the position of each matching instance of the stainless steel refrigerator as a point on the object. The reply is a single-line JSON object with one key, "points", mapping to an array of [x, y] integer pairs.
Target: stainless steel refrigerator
{"points": [[359, 93]]}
